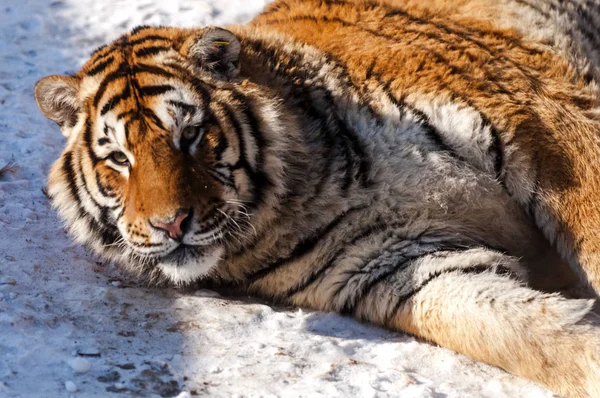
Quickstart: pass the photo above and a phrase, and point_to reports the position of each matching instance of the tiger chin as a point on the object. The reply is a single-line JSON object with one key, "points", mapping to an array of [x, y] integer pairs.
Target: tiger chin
{"points": [[429, 168]]}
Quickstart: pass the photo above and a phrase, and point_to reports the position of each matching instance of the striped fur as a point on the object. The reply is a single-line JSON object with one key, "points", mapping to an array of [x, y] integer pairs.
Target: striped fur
{"points": [[429, 166]]}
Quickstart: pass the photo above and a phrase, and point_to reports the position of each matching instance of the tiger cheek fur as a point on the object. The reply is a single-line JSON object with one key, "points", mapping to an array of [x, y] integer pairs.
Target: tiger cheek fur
{"points": [[360, 157]]}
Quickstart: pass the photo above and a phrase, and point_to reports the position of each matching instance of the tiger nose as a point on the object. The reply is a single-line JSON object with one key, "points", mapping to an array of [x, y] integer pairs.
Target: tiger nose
{"points": [[175, 228]]}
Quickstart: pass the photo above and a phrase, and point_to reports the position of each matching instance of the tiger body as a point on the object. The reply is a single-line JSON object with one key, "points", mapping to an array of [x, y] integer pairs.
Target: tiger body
{"points": [[420, 165]]}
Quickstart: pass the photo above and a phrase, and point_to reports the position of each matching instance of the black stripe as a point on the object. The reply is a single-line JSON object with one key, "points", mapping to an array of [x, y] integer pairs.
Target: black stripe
{"points": [[151, 69], [103, 141], [295, 71], [435, 55], [370, 68], [125, 114], [252, 121], [106, 235], [439, 58], [135, 86], [258, 177], [149, 113], [97, 50], [475, 269], [71, 181], [84, 183], [397, 265], [148, 51], [120, 213], [303, 247], [496, 149], [86, 189], [70, 177], [222, 144], [419, 117], [202, 88], [219, 177], [327, 144], [186, 108], [148, 91], [117, 74], [430, 131], [271, 57], [103, 191], [99, 58], [237, 129], [377, 275], [126, 126], [364, 164], [116, 99], [316, 274], [338, 135], [393, 11], [87, 138], [139, 28], [101, 66], [147, 38]]}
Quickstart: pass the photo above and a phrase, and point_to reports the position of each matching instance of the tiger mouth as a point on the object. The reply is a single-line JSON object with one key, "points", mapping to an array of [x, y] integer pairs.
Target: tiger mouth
{"points": [[213, 235], [184, 253]]}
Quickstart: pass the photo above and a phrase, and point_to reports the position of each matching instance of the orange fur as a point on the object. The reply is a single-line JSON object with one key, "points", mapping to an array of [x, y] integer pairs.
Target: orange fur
{"points": [[532, 96]]}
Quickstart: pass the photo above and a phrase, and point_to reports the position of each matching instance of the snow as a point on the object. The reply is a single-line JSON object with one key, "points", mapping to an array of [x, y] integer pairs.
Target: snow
{"points": [[70, 386], [80, 365], [69, 321]]}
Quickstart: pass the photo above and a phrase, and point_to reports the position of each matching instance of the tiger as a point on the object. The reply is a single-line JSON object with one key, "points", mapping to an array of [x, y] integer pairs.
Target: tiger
{"points": [[431, 167]]}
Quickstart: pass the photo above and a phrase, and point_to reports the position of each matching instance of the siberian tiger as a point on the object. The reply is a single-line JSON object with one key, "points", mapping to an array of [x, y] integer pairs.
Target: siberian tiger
{"points": [[429, 166]]}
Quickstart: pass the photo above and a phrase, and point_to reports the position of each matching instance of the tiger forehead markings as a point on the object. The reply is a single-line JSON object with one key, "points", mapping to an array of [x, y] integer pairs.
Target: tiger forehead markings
{"points": [[365, 157], [161, 161]]}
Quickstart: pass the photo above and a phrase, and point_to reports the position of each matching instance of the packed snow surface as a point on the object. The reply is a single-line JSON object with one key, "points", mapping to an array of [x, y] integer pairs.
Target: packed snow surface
{"points": [[73, 325]]}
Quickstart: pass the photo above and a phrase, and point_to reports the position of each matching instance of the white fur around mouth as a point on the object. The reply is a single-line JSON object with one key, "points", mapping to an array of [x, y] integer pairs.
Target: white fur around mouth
{"points": [[196, 268]]}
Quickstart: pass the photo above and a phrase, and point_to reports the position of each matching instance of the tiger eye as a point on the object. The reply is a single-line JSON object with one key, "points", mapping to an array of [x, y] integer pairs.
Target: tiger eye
{"points": [[191, 132], [119, 158]]}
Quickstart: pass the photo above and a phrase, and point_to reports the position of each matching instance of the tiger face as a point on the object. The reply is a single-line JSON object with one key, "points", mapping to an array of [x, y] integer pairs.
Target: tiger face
{"points": [[163, 162]]}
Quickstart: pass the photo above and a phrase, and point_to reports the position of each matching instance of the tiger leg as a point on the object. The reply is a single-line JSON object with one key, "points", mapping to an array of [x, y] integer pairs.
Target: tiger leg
{"points": [[486, 312]]}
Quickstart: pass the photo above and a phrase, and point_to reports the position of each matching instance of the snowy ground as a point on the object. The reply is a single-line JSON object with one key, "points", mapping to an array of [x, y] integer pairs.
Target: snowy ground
{"points": [[70, 322]]}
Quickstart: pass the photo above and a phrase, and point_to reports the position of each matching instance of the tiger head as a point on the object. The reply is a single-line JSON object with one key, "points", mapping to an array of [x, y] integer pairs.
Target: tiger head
{"points": [[167, 156]]}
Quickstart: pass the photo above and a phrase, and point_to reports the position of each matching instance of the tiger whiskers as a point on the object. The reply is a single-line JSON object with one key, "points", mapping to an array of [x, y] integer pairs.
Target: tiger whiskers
{"points": [[228, 217], [120, 244], [242, 210]]}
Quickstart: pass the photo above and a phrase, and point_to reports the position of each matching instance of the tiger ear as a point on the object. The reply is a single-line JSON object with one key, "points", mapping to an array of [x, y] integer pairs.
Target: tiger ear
{"points": [[215, 50], [57, 98]]}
